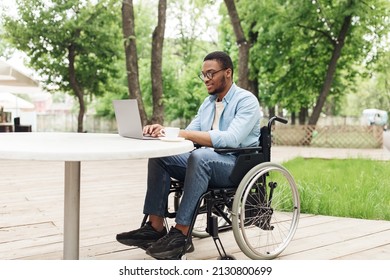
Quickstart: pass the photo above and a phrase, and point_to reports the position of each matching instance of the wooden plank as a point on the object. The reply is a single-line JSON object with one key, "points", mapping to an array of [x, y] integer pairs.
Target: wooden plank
{"points": [[25, 240], [338, 249], [381, 252]]}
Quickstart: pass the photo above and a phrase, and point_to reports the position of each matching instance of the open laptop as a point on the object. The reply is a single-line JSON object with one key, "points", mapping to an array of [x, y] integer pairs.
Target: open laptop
{"points": [[128, 119]]}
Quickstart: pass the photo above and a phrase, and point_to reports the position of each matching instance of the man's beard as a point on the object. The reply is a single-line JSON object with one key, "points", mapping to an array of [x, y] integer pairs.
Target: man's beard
{"points": [[219, 89]]}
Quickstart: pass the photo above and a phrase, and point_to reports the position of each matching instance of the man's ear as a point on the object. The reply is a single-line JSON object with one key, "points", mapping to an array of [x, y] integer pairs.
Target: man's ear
{"points": [[229, 73]]}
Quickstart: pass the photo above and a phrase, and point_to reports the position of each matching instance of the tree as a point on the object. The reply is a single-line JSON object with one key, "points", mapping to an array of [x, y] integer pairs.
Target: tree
{"points": [[338, 44], [305, 52], [130, 45], [6, 49], [156, 65], [183, 52], [72, 44], [372, 91], [129, 34], [242, 43], [182, 90]]}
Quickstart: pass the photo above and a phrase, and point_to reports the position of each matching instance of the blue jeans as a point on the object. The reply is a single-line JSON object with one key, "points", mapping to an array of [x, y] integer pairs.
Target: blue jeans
{"points": [[198, 169]]}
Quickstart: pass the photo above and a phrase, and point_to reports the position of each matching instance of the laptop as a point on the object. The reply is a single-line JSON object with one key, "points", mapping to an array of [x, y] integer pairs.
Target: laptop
{"points": [[128, 119]]}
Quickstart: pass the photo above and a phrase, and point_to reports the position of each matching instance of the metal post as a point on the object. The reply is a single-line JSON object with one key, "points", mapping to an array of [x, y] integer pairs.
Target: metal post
{"points": [[72, 210]]}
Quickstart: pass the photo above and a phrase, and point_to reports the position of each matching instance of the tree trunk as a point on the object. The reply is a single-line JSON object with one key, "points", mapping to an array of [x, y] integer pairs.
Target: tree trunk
{"points": [[303, 112], [254, 87], [271, 112], [243, 45], [128, 28], [76, 87], [293, 118], [338, 46], [156, 65]]}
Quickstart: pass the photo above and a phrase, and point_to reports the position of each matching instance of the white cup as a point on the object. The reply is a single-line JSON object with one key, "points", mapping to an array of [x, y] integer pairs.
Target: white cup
{"points": [[170, 132]]}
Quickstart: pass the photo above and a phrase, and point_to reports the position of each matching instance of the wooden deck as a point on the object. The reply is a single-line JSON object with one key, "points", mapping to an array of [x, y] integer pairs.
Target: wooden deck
{"points": [[31, 218]]}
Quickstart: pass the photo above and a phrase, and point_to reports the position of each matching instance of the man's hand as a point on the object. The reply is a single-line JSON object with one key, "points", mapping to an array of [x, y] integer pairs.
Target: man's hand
{"points": [[153, 130]]}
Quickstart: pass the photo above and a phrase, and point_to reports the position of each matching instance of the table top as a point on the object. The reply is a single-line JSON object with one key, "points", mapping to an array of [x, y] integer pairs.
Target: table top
{"points": [[62, 146]]}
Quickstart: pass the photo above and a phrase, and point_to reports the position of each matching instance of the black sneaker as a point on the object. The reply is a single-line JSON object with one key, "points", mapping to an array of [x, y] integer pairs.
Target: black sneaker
{"points": [[170, 247], [142, 237]]}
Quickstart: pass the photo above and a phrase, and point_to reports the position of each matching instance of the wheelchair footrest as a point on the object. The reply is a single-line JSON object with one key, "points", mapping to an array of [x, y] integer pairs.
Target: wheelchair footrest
{"points": [[212, 227]]}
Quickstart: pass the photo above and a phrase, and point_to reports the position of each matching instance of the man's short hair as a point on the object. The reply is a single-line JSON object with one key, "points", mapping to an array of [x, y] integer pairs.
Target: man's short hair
{"points": [[223, 58]]}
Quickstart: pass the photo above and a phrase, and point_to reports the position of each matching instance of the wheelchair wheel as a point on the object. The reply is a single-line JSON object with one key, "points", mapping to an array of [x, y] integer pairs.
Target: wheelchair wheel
{"points": [[265, 211]]}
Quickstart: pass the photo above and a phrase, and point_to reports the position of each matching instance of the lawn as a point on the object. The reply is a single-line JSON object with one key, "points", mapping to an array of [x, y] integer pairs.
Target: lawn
{"points": [[358, 188]]}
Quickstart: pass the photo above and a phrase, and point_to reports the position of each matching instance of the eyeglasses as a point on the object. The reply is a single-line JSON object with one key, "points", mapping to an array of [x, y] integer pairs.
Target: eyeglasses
{"points": [[209, 75]]}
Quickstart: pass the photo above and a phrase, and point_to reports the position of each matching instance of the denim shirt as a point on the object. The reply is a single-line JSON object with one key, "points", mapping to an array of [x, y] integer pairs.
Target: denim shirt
{"points": [[239, 125]]}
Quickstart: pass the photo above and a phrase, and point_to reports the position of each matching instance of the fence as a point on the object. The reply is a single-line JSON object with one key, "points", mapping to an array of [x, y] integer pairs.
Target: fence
{"points": [[322, 135], [68, 123], [329, 136]]}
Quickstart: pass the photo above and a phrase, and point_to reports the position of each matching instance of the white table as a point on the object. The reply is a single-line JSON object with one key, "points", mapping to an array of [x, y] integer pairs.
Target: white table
{"points": [[72, 148]]}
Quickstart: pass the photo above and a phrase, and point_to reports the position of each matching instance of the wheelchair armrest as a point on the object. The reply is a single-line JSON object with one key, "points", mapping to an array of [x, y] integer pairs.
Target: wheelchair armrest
{"points": [[244, 150], [197, 146]]}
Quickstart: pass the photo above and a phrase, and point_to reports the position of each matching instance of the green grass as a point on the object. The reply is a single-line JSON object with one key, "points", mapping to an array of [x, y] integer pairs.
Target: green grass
{"points": [[357, 188]]}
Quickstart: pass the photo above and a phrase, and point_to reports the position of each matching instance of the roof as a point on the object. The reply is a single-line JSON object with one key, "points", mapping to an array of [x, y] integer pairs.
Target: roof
{"points": [[10, 101]]}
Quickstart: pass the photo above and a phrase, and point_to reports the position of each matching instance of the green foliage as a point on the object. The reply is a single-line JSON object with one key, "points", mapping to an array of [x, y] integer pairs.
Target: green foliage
{"points": [[46, 30], [292, 43], [183, 57], [373, 90], [356, 188], [183, 90], [182, 60], [5, 48], [291, 47], [145, 18]]}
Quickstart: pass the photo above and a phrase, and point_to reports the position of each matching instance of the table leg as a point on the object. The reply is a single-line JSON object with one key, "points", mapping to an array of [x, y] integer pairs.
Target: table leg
{"points": [[72, 210]]}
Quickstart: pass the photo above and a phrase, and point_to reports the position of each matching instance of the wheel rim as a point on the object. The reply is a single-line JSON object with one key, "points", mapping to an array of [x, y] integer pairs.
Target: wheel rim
{"points": [[256, 238]]}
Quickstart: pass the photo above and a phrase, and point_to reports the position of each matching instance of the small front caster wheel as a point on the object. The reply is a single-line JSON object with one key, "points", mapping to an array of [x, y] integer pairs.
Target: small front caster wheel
{"points": [[226, 257]]}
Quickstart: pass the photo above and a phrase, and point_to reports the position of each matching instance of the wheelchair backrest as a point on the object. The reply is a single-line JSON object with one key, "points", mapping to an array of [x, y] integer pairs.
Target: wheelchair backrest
{"points": [[265, 142]]}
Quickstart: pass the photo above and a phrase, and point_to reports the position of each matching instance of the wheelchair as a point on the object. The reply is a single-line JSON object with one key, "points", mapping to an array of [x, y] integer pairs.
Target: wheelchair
{"points": [[262, 208]]}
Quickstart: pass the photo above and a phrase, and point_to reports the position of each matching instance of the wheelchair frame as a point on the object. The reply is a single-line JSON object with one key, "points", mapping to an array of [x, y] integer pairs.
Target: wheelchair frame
{"points": [[262, 208]]}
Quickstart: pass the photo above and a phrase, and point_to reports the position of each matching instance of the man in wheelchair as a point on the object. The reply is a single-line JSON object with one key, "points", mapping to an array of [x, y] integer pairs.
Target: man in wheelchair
{"points": [[228, 117]]}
